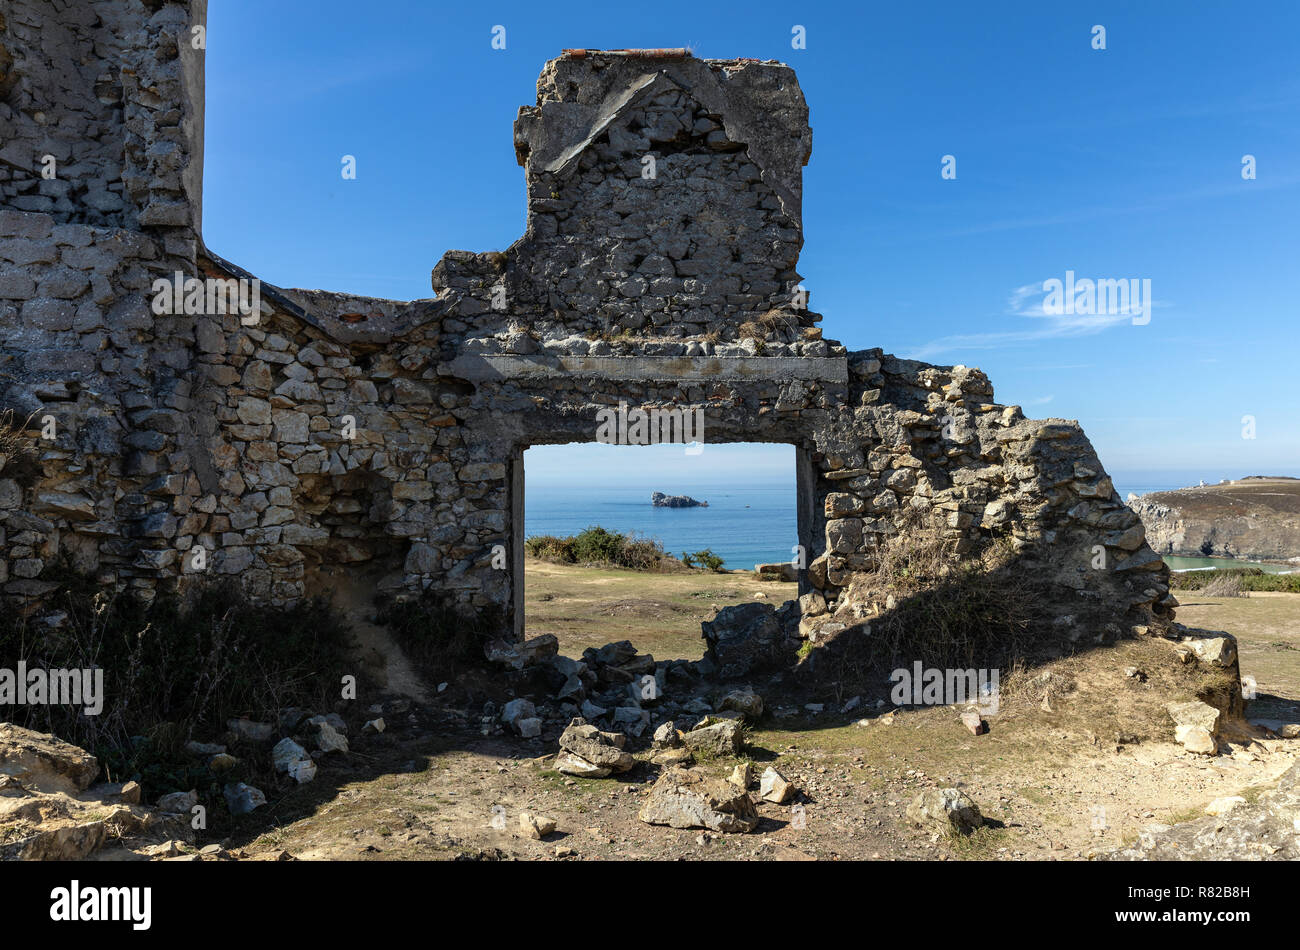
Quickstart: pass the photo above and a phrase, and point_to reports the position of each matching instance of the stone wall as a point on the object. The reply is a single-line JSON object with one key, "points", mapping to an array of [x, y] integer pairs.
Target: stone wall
{"points": [[109, 91], [324, 436]]}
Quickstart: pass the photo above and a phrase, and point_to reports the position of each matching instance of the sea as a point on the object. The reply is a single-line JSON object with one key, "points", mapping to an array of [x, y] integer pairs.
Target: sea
{"points": [[747, 524], [751, 518]]}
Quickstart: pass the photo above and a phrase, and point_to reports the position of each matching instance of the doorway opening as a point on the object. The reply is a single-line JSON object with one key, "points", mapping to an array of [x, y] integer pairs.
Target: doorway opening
{"points": [[644, 543]]}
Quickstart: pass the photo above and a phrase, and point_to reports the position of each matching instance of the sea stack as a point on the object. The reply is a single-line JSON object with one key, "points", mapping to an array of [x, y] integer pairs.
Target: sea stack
{"points": [[660, 500]]}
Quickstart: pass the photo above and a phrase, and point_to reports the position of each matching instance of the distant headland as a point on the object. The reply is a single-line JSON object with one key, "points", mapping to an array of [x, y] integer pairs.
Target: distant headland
{"points": [[1255, 518]]}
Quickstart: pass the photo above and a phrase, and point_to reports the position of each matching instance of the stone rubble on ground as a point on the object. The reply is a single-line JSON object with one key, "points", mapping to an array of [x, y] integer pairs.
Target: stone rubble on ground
{"points": [[1267, 829], [945, 812], [1196, 726], [591, 753], [689, 798]]}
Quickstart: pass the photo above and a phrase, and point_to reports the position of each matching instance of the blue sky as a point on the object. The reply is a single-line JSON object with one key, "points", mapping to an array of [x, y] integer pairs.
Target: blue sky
{"points": [[1116, 163]]}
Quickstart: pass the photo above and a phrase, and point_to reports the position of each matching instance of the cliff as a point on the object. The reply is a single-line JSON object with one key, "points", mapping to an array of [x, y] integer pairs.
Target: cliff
{"points": [[1256, 518]]}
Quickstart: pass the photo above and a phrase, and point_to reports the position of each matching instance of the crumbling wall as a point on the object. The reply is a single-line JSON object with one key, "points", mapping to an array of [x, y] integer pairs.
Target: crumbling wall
{"points": [[932, 439], [100, 118], [320, 433]]}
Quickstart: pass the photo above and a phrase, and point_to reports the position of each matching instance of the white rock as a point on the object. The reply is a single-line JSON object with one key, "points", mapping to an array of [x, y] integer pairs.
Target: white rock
{"points": [[329, 739], [773, 787], [1221, 806], [243, 798]]}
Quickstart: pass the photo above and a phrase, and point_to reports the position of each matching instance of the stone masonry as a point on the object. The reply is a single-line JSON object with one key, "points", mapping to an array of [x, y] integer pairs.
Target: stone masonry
{"points": [[327, 436]]}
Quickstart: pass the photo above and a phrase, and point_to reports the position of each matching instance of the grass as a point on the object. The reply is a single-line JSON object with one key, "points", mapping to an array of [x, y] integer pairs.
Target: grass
{"points": [[660, 613], [18, 450]]}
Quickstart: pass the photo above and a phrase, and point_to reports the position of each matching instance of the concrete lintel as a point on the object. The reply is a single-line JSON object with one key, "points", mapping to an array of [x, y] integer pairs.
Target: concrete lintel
{"points": [[668, 368]]}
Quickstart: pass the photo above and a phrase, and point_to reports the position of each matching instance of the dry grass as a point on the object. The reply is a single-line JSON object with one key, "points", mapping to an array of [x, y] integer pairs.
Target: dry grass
{"points": [[1090, 695], [1225, 585], [970, 612], [17, 448], [774, 326]]}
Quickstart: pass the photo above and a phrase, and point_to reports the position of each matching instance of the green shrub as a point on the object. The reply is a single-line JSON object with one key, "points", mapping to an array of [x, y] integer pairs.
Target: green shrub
{"points": [[597, 545], [705, 559], [551, 548]]}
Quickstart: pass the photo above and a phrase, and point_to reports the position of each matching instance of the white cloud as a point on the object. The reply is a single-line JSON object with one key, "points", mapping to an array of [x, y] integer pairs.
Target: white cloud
{"points": [[1027, 302]]}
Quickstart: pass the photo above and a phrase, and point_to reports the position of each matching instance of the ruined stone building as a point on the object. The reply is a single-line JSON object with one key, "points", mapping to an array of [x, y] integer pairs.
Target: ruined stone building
{"points": [[328, 434]]}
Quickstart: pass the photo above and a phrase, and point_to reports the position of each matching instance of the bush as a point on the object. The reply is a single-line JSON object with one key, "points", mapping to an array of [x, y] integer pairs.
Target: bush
{"points": [[1225, 585], [551, 548], [705, 559], [596, 545], [175, 669]]}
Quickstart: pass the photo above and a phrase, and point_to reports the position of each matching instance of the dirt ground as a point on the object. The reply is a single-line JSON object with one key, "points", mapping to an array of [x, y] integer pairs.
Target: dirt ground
{"points": [[1078, 759]]}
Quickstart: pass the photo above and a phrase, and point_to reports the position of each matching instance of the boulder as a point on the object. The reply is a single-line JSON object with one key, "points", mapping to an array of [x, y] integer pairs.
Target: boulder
{"points": [[780, 571], [673, 756], [1222, 806], [516, 710], [587, 751], [517, 656], [1196, 724], [536, 826], [689, 798], [722, 737], [945, 811], [178, 803], [241, 798], [665, 736], [328, 737], [974, 723], [744, 701], [773, 787], [1213, 647], [570, 764], [744, 638], [45, 762], [292, 759]]}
